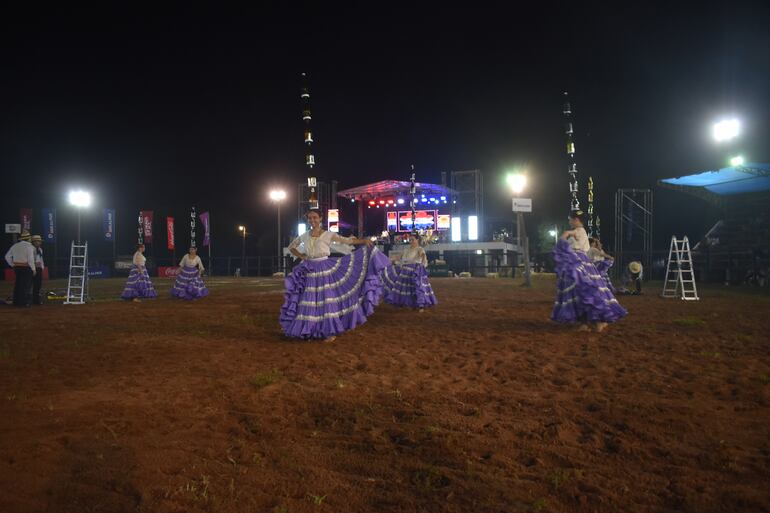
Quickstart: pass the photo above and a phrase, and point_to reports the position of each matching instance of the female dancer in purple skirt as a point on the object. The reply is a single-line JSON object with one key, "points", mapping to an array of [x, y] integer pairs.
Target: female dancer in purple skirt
{"points": [[602, 261], [328, 296], [189, 284], [582, 296], [407, 284], [139, 285]]}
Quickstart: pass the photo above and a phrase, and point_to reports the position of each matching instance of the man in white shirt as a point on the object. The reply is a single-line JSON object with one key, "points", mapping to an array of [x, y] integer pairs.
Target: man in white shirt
{"points": [[37, 280], [21, 257]]}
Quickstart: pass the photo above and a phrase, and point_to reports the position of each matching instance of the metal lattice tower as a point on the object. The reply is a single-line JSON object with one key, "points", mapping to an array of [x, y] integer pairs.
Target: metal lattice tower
{"points": [[307, 117], [591, 231], [193, 220], [325, 197], [572, 167], [412, 192], [140, 231], [633, 228], [468, 199]]}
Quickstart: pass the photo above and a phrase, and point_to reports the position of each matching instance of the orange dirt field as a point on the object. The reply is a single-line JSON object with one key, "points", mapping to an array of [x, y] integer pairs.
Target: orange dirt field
{"points": [[479, 405]]}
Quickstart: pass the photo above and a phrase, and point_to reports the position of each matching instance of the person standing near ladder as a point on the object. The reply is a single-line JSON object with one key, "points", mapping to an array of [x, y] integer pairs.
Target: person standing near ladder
{"points": [[21, 257], [37, 280]]}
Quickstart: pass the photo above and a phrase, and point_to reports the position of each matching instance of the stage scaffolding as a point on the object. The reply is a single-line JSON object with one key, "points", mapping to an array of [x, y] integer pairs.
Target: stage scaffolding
{"points": [[633, 229]]}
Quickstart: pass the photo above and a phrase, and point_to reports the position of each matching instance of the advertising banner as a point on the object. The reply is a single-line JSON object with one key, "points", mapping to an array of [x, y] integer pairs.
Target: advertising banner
{"points": [[147, 225], [170, 230], [206, 229], [109, 224], [49, 224]]}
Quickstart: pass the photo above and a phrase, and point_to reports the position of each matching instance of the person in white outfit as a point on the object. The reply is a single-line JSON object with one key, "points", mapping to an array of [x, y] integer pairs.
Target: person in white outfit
{"points": [[21, 257]]}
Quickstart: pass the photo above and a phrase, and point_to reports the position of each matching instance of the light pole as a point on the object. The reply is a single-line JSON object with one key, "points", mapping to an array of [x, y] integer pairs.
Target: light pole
{"points": [[242, 229], [79, 199], [277, 196], [518, 182]]}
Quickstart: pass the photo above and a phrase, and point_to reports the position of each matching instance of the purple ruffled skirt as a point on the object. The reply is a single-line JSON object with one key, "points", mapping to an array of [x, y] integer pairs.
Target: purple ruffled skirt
{"points": [[582, 294], [189, 284], [603, 266], [408, 285], [328, 297], [138, 285]]}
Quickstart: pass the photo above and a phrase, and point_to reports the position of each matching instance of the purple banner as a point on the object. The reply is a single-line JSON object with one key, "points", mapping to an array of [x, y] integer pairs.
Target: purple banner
{"points": [[206, 231]]}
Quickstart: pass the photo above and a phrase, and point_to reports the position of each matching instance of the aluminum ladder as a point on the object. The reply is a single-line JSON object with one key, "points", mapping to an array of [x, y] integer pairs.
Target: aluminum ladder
{"points": [[680, 277], [77, 283]]}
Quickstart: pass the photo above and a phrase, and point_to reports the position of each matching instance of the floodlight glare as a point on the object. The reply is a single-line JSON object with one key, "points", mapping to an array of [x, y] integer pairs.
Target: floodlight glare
{"points": [[726, 129], [80, 199]]}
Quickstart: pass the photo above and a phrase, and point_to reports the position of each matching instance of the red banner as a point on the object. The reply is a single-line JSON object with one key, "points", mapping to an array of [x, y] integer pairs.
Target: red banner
{"points": [[170, 230], [147, 225], [167, 272], [26, 219]]}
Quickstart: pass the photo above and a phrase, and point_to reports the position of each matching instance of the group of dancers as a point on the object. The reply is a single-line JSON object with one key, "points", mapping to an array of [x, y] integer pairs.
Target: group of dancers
{"points": [[326, 296], [188, 285]]}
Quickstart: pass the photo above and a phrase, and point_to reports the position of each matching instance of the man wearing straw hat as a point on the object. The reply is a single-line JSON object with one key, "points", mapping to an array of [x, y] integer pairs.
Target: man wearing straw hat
{"points": [[633, 274], [21, 257], [37, 280]]}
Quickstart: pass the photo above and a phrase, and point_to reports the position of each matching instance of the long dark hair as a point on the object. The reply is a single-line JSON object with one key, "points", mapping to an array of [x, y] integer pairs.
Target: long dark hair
{"points": [[316, 210]]}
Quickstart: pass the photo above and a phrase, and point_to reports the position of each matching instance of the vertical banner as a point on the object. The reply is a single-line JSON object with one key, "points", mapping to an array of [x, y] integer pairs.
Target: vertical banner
{"points": [[170, 230], [109, 224], [49, 224], [206, 229], [26, 219], [147, 225], [193, 219]]}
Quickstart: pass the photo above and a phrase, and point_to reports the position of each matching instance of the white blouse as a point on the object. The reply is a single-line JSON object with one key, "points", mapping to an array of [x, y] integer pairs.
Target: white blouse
{"points": [[579, 241], [414, 256], [319, 247], [191, 262], [139, 259]]}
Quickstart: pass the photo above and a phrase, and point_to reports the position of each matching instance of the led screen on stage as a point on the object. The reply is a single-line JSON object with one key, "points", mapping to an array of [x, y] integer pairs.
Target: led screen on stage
{"points": [[424, 220], [392, 221], [444, 221]]}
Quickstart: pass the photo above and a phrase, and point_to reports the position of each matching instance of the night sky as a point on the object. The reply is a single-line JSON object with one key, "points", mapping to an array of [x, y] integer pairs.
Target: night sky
{"points": [[159, 111]]}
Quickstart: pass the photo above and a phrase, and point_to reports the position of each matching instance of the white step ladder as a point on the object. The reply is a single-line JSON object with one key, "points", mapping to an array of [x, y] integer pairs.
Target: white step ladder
{"points": [[680, 278], [77, 283]]}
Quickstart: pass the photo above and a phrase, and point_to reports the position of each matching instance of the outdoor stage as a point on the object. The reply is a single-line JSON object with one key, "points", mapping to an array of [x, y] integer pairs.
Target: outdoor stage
{"points": [[479, 404]]}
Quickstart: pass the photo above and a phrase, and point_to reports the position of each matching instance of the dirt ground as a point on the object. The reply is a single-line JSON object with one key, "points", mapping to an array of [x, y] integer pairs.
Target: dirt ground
{"points": [[479, 405]]}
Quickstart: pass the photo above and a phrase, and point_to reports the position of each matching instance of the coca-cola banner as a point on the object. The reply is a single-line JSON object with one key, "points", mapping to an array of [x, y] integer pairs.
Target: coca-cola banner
{"points": [[147, 225], [167, 272], [170, 230]]}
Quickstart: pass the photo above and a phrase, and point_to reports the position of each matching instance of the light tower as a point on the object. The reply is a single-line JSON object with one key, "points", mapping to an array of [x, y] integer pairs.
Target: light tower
{"points": [[307, 117], [591, 207], [572, 168]]}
